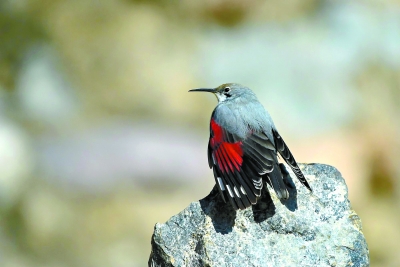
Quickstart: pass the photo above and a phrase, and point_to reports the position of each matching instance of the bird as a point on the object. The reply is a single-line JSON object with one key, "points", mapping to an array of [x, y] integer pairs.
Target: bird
{"points": [[243, 148]]}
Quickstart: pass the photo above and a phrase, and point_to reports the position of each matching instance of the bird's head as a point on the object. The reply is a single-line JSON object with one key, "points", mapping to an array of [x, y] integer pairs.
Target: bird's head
{"points": [[227, 91]]}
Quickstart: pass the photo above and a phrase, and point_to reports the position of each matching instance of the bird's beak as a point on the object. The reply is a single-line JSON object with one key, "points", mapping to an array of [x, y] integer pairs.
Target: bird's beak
{"points": [[210, 90]]}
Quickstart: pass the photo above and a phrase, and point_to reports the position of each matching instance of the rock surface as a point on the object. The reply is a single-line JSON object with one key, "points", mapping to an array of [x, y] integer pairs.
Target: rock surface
{"points": [[308, 229]]}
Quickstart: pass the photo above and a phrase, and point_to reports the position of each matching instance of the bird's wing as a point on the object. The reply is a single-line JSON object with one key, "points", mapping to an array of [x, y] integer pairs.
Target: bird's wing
{"points": [[284, 151], [239, 163]]}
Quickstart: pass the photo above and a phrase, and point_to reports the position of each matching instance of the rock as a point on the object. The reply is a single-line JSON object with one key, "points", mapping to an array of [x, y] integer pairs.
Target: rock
{"points": [[308, 229]]}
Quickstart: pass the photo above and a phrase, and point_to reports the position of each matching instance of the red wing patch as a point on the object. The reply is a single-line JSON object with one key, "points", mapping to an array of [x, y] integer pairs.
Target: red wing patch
{"points": [[228, 156], [238, 164]]}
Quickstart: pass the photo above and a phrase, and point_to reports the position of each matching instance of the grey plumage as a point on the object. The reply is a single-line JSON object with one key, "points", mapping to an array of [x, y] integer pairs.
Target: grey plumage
{"points": [[243, 112], [243, 147]]}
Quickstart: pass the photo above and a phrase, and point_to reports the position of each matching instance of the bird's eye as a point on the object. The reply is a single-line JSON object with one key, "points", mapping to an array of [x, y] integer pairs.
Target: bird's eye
{"points": [[227, 89]]}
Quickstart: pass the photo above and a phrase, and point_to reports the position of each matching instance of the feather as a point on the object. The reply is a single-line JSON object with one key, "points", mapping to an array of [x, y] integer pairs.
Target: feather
{"points": [[257, 155], [247, 193], [283, 149], [275, 178], [219, 181], [261, 150]]}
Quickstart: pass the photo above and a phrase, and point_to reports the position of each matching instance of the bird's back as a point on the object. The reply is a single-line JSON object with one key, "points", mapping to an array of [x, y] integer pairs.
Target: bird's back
{"points": [[240, 117]]}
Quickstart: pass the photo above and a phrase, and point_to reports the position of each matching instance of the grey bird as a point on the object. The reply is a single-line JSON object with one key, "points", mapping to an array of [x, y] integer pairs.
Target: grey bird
{"points": [[243, 147]]}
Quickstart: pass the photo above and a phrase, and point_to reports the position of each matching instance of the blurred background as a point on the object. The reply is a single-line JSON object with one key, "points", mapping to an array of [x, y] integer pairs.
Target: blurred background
{"points": [[99, 139]]}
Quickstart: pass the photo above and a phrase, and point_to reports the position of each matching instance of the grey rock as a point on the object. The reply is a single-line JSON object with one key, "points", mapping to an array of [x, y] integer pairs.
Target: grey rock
{"points": [[308, 229]]}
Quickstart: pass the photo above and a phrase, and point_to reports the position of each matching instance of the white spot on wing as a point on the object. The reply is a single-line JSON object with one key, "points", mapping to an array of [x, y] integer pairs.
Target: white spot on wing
{"points": [[236, 191], [221, 184], [229, 190], [242, 189]]}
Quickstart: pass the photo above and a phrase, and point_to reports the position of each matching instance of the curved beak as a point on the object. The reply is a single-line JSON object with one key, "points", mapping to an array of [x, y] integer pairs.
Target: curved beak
{"points": [[210, 90]]}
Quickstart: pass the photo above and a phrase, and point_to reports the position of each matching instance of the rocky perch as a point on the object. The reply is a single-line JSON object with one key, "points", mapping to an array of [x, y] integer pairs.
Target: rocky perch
{"points": [[308, 229]]}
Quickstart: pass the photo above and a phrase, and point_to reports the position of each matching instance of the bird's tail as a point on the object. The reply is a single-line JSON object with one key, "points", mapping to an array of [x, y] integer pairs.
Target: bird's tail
{"points": [[275, 180]]}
